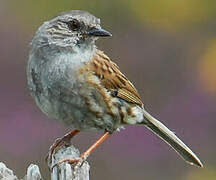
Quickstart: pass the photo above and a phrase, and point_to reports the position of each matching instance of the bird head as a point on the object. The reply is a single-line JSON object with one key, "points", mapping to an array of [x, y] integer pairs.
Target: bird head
{"points": [[71, 29]]}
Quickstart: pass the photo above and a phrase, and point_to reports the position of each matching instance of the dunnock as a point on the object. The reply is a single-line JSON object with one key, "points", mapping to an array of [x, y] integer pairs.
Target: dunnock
{"points": [[75, 83]]}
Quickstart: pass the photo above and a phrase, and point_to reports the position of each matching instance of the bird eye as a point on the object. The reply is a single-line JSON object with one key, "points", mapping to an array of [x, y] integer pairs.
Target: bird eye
{"points": [[74, 25]]}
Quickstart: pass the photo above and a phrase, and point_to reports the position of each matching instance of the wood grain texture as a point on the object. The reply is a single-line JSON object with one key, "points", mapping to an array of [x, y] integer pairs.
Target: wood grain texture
{"points": [[64, 171]]}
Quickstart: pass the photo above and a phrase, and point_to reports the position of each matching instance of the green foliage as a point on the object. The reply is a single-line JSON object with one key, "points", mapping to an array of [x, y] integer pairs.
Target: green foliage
{"points": [[174, 15], [41, 10], [166, 14], [203, 174]]}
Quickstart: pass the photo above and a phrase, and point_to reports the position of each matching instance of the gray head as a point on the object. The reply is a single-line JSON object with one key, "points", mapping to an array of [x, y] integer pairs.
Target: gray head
{"points": [[70, 29]]}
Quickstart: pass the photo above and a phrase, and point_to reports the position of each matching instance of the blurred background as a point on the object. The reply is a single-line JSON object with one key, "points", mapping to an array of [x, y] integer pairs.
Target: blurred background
{"points": [[166, 48]]}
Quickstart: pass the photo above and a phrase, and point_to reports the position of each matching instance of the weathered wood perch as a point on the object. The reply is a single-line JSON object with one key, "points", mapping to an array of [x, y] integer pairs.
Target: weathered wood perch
{"points": [[64, 171]]}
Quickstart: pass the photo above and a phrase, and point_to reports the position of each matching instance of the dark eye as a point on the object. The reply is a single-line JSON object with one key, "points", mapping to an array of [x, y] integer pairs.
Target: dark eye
{"points": [[74, 25]]}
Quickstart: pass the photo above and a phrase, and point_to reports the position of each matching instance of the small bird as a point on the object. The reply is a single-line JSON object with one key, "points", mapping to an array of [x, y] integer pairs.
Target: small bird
{"points": [[74, 82]]}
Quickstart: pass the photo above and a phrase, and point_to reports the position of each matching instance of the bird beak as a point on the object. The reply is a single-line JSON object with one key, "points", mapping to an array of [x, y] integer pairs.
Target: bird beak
{"points": [[99, 32]]}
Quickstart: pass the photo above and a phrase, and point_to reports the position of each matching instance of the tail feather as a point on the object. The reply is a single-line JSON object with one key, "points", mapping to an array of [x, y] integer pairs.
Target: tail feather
{"points": [[170, 138]]}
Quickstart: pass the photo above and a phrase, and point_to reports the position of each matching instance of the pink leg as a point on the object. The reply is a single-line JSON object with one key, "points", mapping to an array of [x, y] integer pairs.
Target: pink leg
{"points": [[85, 155]]}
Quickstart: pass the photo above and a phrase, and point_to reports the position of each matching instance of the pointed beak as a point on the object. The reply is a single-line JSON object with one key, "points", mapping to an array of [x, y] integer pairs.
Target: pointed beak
{"points": [[99, 32]]}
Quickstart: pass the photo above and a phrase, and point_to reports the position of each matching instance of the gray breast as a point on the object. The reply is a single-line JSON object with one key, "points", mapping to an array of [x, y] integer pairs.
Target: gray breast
{"points": [[62, 95]]}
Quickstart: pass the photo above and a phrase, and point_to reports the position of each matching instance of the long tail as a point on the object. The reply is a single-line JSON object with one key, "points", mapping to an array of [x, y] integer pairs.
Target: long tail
{"points": [[170, 138]]}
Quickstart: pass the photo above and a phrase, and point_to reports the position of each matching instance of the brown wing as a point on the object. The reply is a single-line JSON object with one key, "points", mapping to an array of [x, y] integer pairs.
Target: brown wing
{"points": [[112, 78]]}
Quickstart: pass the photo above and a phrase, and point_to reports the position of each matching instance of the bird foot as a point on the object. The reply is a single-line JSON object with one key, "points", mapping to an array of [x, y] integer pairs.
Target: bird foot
{"points": [[60, 142], [77, 161]]}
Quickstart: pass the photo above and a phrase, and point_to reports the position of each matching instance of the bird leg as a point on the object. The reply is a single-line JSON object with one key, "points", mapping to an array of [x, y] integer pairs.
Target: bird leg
{"points": [[65, 140], [85, 155]]}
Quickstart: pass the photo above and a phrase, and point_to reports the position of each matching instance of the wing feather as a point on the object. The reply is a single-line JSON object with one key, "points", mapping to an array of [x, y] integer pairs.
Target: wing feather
{"points": [[112, 78]]}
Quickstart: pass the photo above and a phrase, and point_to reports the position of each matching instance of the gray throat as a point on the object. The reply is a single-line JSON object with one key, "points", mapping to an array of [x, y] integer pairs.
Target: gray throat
{"points": [[52, 68]]}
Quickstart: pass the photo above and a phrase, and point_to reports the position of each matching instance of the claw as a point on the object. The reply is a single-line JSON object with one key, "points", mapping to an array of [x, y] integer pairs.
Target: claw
{"points": [[64, 141], [79, 162], [57, 144]]}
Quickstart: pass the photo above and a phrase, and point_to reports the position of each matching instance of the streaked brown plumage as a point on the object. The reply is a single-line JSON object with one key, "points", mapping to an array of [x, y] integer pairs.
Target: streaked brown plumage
{"points": [[112, 78], [74, 82]]}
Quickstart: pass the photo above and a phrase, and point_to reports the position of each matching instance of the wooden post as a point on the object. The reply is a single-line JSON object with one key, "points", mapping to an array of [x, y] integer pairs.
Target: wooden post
{"points": [[64, 171]]}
